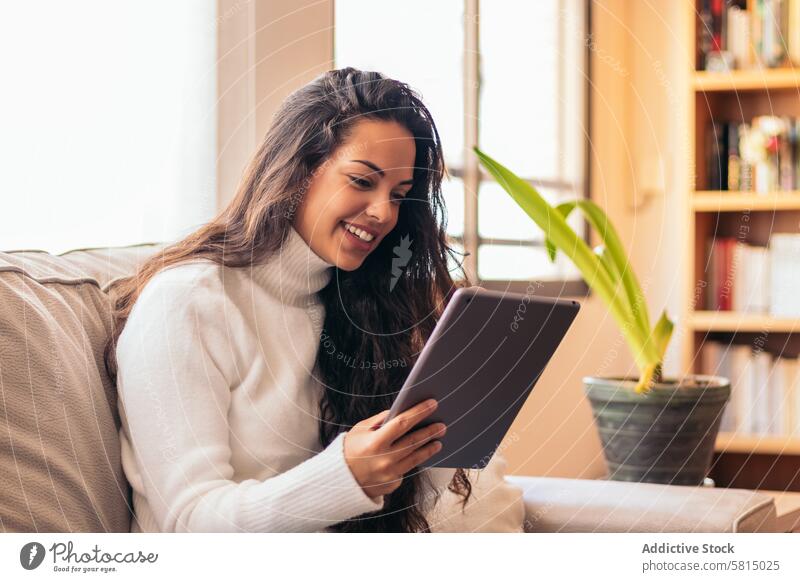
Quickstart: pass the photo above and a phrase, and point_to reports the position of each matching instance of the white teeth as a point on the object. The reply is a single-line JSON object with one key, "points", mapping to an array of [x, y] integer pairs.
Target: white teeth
{"points": [[365, 236]]}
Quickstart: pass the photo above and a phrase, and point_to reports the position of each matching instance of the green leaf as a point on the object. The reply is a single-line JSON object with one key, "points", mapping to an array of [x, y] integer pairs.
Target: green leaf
{"points": [[594, 271], [646, 379], [662, 334], [608, 262], [660, 337], [564, 208], [551, 250], [603, 226]]}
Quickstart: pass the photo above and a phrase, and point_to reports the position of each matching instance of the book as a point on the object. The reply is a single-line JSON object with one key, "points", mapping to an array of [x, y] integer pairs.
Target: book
{"points": [[756, 279], [785, 161], [762, 155], [765, 389], [717, 148], [793, 32], [760, 393], [738, 37], [755, 33], [741, 388], [784, 275], [785, 370], [791, 417], [704, 34], [738, 276], [716, 361], [734, 159]]}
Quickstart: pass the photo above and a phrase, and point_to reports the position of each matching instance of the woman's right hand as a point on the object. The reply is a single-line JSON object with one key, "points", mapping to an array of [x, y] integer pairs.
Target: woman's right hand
{"points": [[379, 456]]}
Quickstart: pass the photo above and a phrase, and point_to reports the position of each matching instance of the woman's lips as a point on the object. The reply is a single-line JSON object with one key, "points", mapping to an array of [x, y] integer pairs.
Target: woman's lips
{"points": [[355, 241]]}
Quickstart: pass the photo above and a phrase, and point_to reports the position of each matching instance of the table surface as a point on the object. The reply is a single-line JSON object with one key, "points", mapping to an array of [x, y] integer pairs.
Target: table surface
{"points": [[787, 507]]}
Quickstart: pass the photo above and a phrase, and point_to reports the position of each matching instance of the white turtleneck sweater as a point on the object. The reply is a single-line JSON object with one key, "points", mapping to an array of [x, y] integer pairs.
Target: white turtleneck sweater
{"points": [[219, 403]]}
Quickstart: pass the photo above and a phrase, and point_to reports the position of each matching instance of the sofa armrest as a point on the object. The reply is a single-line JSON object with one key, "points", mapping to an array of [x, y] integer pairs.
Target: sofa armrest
{"points": [[578, 505]]}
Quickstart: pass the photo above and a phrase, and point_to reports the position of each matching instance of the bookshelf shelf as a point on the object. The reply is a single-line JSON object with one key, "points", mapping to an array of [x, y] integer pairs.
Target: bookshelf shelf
{"points": [[715, 201], [741, 322], [748, 80], [757, 444]]}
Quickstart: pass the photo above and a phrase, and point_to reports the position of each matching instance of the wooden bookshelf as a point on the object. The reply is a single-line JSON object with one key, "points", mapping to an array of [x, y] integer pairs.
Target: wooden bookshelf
{"points": [[750, 80], [731, 321], [712, 201], [738, 96], [760, 444]]}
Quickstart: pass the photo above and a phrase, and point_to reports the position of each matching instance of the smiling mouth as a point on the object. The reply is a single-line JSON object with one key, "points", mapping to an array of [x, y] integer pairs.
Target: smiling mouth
{"points": [[363, 235], [357, 241]]}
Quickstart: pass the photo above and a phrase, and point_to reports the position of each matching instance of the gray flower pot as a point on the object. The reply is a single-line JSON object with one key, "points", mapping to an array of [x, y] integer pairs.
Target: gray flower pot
{"points": [[666, 436]]}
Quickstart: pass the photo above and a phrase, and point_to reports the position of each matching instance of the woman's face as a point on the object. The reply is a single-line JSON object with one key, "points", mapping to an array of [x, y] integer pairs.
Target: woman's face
{"points": [[362, 184]]}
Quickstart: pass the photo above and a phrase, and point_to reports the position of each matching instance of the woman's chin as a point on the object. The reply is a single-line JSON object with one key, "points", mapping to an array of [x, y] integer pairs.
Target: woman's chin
{"points": [[348, 263]]}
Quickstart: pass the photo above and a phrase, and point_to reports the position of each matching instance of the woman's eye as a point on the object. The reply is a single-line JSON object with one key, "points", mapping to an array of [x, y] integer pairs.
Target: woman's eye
{"points": [[361, 182], [399, 198]]}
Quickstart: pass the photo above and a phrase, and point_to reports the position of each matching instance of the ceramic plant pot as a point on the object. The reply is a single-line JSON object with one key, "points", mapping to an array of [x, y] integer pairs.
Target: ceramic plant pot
{"points": [[665, 436]]}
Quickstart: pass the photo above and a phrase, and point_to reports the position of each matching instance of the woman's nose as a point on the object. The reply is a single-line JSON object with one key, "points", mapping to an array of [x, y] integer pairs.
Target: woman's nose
{"points": [[381, 209]]}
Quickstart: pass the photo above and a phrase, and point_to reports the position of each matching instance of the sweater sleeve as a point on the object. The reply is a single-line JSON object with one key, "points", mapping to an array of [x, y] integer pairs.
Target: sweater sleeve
{"points": [[174, 379]]}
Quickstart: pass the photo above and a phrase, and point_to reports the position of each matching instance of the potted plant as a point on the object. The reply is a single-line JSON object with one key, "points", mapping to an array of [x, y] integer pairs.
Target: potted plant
{"points": [[653, 429]]}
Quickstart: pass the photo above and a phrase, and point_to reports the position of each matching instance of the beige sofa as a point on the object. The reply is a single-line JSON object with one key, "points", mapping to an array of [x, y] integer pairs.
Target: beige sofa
{"points": [[60, 454]]}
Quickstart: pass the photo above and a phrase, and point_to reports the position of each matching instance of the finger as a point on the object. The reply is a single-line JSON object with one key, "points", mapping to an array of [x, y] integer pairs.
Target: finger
{"points": [[403, 422], [412, 441], [369, 422], [420, 455], [375, 422]]}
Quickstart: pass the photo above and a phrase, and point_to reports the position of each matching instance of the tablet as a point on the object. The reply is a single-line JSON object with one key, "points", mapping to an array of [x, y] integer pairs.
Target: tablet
{"points": [[481, 363]]}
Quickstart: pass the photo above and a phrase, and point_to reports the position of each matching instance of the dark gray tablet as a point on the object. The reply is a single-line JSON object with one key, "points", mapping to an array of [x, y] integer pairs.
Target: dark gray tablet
{"points": [[481, 362]]}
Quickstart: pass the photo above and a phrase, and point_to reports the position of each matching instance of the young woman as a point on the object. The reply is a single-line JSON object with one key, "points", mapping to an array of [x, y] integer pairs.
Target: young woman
{"points": [[256, 358]]}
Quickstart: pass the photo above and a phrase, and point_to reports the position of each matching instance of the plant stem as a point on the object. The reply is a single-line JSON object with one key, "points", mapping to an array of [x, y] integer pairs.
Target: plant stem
{"points": [[657, 375]]}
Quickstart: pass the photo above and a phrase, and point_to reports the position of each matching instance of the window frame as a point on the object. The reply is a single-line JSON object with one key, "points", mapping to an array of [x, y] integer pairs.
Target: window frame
{"points": [[472, 175]]}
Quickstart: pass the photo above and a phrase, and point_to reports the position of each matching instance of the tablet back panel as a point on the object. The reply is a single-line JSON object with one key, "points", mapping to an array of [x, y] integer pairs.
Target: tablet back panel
{"points": [[481, 363]]}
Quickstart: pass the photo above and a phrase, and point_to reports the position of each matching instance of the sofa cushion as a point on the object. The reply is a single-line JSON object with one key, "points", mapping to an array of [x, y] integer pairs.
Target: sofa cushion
{"points": [[60, 467]]}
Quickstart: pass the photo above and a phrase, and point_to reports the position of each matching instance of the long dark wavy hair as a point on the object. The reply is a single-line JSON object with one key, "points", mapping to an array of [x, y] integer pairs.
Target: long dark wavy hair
{"points": [[362, 317]]}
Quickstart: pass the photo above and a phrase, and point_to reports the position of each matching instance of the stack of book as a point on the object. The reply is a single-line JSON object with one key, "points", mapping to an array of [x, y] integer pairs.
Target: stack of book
{"points": [[754, 279], [765, 389], [738, 276], [766, 35], [762, 156], [784, 275]]}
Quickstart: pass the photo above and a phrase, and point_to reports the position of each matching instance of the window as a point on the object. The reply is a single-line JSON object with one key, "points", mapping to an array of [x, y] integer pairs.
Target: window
{"points": [[109, 132], [527, 109]]}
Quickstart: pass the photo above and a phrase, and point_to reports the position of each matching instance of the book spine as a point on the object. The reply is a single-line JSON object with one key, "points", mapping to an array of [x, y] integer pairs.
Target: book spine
{"points": [[761, 393], [734, 161], [785, 165], [784, 275], [704, 34], [793, 420], [757, 29], [727, 296], [710, 275], [740, 292], [740, 392], [717, 157], [793, 146], [718, 275], [717, 10], [793, 23]]}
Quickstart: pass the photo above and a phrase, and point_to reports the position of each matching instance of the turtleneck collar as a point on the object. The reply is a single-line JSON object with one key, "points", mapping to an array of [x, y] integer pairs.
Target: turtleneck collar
{"points": [[295, 273]]}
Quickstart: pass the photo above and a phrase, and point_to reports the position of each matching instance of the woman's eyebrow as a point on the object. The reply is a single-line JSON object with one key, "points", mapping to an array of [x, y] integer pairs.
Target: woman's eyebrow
{"points": [[380, 172]]}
